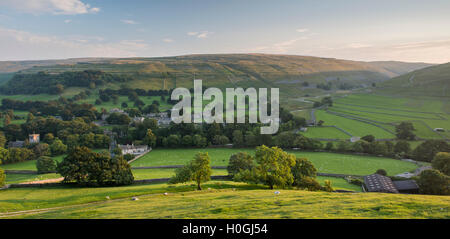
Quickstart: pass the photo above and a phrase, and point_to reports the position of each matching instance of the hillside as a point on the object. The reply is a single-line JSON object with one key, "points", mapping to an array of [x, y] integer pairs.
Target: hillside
{"points": [[230, 203], [430, 81], [287, 72]]}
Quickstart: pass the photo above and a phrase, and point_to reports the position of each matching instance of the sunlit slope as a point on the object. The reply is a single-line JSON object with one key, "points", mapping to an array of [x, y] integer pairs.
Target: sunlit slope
{"points": [[431, 81]]}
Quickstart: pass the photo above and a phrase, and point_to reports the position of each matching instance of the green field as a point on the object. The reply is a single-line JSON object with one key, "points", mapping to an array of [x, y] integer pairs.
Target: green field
{"points": [[363, 114], [324, 162], [325, 132], [218, 200]]}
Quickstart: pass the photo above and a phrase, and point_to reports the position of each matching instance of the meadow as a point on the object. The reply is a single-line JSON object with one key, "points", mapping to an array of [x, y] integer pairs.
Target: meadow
{"points": [[218, 200], [323, 161]]}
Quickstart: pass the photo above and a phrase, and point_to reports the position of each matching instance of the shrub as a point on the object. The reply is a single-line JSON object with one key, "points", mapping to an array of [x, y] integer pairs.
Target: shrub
{"points": [[441, 162], [434, 182], [327, 186], [128, 157], [308, 183], [239, 162], [381, 172], [355, 181], [45, 164]]}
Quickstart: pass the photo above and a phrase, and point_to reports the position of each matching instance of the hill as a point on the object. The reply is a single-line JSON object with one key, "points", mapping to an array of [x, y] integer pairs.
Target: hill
{"points": [[221, 201], [430, 81], [287, 72]]}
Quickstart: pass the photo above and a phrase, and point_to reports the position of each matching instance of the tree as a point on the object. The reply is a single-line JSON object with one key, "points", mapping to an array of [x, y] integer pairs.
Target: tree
{"points": [[220, 140], [441, 162], [369, 138], [304, 174], [434, 182], [4, 155], [173, 140], [150, 138], [85, 167], [273, 168], [402, 147], [198, 170], [2, 177], [186, 141], [428, 149], [329, 146], [41, 149], [327, 101], [238, 138], [7, 120], [239, 162], [405, 131], [303, 168], [30, 117], [2, 139], [19, 155], [45, 164], [381, 172]]}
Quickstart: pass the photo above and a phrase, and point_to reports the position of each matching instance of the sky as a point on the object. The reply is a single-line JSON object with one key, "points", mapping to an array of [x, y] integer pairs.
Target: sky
{"points": [[400, 30]]}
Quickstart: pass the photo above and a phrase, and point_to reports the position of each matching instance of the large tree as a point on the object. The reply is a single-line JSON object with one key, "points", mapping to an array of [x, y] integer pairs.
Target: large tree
{"points": [[434, 182], [405, 131], [428, 149], [273, 168], [85, 167], [198, 170], [441, 162], [239, 162]]}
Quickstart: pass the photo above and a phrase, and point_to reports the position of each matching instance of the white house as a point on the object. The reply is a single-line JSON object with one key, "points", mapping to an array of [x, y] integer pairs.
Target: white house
{"points": [[133, 149]]}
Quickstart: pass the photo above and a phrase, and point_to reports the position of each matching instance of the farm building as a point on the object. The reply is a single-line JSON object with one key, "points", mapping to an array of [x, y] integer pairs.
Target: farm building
{"points": [[378, 183], [133, 149], [16, 144], [34, 138], [383, 184], [406, 186]]}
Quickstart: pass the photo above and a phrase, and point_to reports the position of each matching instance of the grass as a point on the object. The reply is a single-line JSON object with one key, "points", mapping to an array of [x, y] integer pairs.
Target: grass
{"points": [[325, 132], [165, 173], [220, 201], [22, 178], [324, 162]]}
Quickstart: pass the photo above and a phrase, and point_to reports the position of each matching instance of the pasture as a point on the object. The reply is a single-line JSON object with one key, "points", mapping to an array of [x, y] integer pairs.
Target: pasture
{"points": [[324, 162], [363, 114], [219, 200]]}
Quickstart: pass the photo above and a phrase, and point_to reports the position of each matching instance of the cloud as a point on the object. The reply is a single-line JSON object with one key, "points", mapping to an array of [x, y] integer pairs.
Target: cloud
{"points": [[302, 30], [202, 34], [168, 40], [67, 21], [57, 7], [20, 45], [127, 21]]}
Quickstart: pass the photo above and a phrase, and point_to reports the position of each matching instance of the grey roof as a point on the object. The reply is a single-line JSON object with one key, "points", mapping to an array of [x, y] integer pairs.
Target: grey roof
{"points": [[16, 144], [406, 185], [379, 183]]}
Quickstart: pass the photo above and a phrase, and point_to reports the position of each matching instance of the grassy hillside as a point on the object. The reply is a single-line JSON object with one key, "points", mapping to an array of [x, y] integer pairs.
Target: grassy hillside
{"points": [[431, 81], [287, 72], [218, 200]]}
